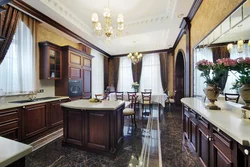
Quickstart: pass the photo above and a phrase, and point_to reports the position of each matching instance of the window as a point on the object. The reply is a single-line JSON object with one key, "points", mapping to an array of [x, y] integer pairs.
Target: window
{"points": [[125, 79], [18, 70], [97, 73], [201, 53], [151, 74]]}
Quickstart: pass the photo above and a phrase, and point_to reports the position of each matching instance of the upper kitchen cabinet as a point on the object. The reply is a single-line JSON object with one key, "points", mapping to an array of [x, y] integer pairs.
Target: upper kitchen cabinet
{"points": [[50, 61]]}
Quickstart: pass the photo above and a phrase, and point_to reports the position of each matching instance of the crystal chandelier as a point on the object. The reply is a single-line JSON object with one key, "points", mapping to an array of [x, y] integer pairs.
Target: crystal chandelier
{"points": [[135, 57], [108, 29], [240, 44]]}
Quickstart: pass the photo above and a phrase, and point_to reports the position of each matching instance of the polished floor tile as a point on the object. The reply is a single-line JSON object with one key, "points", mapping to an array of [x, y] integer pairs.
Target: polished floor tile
{"points": [[175, 152]]}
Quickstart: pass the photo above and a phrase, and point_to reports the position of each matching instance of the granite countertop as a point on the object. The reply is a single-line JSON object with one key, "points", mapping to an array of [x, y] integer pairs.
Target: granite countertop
{"points": [[11, 151], [8, 105], [228, 119], [86, 105]]}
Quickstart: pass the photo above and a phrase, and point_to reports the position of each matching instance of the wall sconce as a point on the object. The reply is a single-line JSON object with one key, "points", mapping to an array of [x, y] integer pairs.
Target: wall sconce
{"points": [[229, 47], [240, 46]]}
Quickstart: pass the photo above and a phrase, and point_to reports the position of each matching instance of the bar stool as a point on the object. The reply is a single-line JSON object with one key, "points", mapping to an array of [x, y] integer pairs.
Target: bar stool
{"points": [[232, 97]]}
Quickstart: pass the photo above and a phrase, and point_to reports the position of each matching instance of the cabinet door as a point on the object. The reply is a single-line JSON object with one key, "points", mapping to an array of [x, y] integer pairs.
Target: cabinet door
{"points": [[35, 119], [86, 62], [86, 83], [75, 59], [55, 64], [204, 147], [75, 72], [193, 133], [56, 114], [186, 124]]}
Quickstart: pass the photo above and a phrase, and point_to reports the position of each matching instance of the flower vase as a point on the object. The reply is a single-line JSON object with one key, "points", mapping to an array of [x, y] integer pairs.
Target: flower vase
{"points": [[136, 90], [212, 92], [244, 92]]}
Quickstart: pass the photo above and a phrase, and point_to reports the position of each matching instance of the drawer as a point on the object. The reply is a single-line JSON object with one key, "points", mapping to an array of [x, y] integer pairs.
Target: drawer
{"points": [[203, 122], [192, 113], [8, 116], [8, 126]]}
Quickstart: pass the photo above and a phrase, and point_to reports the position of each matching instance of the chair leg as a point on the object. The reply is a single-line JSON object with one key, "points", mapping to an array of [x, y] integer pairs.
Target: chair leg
{"points": [[135, 121], [131, 119]]}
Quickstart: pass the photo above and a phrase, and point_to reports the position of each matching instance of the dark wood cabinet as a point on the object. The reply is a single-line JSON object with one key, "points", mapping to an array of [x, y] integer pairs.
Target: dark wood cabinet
{"points": [[56, 113], [35, 119], [50, 61], [76, 66], [204, 146], [10, 123]]}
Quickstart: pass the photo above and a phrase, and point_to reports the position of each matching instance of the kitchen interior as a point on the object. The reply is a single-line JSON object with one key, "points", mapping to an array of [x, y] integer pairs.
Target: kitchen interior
{"points": [[63, 74]]}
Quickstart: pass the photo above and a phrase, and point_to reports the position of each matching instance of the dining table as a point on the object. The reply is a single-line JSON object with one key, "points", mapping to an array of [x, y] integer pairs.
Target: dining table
{"points": [[158, 98]]}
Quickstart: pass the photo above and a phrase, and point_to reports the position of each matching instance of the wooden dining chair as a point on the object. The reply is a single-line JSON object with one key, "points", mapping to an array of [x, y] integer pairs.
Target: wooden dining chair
{"points": [[170, 99], [146, 100], [234, 97], [119, 95], [131, 111], [130, 94]]}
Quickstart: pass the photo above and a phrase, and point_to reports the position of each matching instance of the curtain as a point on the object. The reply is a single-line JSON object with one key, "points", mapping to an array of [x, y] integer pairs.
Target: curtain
{"points": [[232, 76], [97, 73], [116, 64], [106, 71], [164, 70], [219, 53], [151, 75], [8, 23], [136, 71], [125, 75], [18, 73], [200, 53]]}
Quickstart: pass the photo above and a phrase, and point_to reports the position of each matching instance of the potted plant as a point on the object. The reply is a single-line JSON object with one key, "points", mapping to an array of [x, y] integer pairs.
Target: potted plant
{"points": [[242, 67], [213, 73], [135, 86]]}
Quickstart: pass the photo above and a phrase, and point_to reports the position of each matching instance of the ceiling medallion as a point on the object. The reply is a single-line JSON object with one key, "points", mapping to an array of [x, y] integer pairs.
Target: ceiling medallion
{"points": [[108, 29]]}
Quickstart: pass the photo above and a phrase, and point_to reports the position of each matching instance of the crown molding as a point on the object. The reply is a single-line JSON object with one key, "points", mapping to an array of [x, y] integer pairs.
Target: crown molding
{"points": [[170, 50], [32, 11]]}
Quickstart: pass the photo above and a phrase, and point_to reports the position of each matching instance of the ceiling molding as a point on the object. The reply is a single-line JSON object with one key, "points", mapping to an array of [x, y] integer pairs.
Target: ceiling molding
{"points": [[194, 9], [29, 9], [147, 52]]}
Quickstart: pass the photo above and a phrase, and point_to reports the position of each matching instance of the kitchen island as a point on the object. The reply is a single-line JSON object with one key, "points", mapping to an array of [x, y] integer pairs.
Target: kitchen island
{"points": [[93, 127]]}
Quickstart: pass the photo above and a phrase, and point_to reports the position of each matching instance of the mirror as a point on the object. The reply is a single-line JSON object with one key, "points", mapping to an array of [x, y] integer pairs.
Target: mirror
{"points": [[224, 42]]}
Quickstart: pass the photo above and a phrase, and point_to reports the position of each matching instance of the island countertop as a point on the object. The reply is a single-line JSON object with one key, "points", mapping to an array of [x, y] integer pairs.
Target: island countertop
{"points": [[228, 119], [11, 151], [86, 105]]}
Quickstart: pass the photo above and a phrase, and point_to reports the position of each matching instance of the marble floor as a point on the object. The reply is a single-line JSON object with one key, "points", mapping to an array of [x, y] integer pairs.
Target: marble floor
{"points": [[175, 152]]}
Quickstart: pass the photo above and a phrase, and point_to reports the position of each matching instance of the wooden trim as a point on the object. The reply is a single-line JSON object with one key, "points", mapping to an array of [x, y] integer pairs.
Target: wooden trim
{"points": [[194, 9], [170, 50], [29, 9]]}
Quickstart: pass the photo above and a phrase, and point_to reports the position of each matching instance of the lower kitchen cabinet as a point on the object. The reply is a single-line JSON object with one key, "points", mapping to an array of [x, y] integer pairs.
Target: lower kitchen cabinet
{"points": [[10, 123], [204, 147], [56, 113], [35, 119]]}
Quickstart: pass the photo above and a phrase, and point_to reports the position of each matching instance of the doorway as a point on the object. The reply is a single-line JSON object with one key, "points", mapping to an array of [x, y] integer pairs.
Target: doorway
{"points": [[179, 78]]}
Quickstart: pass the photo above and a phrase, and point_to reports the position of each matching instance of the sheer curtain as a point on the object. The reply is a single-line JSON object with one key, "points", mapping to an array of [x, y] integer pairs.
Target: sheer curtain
{"points": [[232, 76], [151, 74], [125, 78], [200, 53], [18, 69], [97, 73]]}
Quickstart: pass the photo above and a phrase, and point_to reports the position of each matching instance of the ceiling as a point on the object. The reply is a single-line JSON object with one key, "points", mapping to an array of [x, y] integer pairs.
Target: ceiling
{"points": [[153, 24]]}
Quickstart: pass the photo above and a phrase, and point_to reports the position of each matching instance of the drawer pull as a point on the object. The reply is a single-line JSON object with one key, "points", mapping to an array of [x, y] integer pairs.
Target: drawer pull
{"points": [[207, 137], [246, 151], [23, 106], [218, 130], [210, 139]]}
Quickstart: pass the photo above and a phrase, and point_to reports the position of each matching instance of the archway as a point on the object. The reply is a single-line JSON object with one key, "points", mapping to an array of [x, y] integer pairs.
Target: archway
{"points": [[179, 77]]}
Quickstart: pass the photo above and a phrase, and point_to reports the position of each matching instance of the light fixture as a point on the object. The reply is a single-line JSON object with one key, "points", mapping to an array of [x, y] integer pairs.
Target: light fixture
{"points": [[135, 57], [108, 29], [229, 47], [240, 46]]}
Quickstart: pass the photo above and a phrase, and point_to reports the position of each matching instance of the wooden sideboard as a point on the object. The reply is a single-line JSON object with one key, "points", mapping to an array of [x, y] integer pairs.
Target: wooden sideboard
{"points": [[213, 146]]}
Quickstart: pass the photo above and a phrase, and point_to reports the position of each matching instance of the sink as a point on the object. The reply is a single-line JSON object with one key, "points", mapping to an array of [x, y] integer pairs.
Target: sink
{"points": [[34, 100]]}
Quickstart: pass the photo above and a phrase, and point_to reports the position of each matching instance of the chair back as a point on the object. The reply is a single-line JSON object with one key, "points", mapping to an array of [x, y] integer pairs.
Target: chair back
{"points": [[146, 97], [102, 96], [119, 95], [130, 94], [147, 90], [232, 97], [133, 101]]}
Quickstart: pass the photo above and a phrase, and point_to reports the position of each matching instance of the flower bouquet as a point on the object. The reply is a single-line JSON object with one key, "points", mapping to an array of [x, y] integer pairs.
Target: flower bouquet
{"points": [[135, 86]]}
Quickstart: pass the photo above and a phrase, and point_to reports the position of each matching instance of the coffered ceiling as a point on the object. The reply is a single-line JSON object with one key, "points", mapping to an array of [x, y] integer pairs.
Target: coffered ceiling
{"points": [[153, 24]]}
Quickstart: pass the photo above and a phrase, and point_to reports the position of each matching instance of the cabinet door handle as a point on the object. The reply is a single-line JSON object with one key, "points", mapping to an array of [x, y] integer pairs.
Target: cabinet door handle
{"points": [[218, 130], [210, 139], [207, 137], [23, 106], [246, 151]]}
